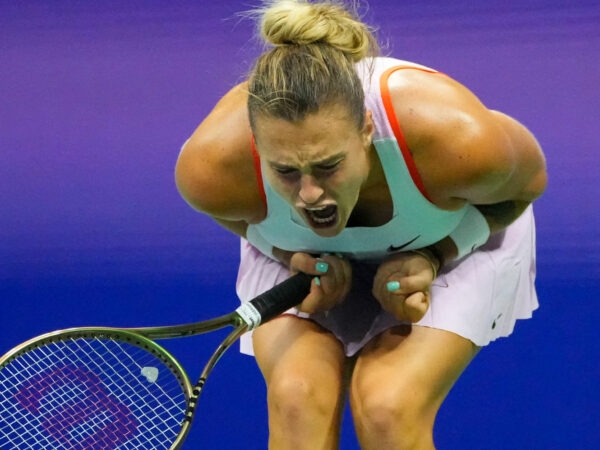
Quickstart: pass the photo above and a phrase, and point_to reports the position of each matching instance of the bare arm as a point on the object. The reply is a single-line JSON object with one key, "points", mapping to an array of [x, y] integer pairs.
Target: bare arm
{"points": [[215, 174], [526, 177], [215, 169], [465, 152]]}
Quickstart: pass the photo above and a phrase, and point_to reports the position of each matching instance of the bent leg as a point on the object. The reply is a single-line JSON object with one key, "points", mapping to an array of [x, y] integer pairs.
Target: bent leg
{"points": [[400, 380], [303, 366]]}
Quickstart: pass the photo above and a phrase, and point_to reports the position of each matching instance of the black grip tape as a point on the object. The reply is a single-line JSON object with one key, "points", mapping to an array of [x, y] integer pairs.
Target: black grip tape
{"points": [[282, 297]]}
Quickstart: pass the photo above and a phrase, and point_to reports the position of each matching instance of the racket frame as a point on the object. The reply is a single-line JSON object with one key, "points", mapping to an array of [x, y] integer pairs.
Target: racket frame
{"points": [[122, 335], [248, 316]]}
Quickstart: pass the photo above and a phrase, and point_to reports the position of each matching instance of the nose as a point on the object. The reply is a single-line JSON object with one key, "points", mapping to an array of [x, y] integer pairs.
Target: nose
{"points": [[310, 191]]}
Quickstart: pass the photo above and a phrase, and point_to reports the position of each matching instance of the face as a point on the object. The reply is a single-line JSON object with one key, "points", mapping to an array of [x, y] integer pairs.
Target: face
{"points": [[318, 165]]}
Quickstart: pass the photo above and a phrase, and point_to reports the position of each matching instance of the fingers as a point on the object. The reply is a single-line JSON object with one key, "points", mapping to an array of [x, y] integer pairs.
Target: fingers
{"points": [[416, 305], [411, 307], [336, 280], [402, 285], [303, 262], [406, 297], [331, 283]]}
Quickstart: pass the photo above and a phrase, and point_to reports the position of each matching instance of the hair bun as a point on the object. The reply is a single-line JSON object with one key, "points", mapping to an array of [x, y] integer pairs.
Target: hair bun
{"points": [[298, 22]]}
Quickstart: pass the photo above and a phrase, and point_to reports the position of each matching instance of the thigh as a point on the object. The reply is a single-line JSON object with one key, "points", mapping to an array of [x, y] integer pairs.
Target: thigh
{"points": [[292, 346], [423, 361], [303, 366]]}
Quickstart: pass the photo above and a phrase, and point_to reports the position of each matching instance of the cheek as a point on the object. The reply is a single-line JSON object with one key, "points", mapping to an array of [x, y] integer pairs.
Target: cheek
{"points": [[285, 188], [346, 190]]}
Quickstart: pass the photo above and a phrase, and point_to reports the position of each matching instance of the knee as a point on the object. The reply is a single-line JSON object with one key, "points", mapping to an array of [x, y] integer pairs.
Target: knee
{"points": [[293, 396], [401, 412], [382, 411]]}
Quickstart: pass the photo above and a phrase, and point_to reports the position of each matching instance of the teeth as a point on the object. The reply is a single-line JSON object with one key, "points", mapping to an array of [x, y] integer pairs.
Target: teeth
{"points": [[319, 218]]}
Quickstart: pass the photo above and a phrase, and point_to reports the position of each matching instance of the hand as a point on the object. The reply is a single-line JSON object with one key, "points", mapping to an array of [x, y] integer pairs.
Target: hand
{"points": [[402, 285], [332, 282]]}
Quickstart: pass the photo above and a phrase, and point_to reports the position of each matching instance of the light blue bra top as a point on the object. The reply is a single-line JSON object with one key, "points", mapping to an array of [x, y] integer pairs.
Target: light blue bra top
{"points": [[415, 222]]}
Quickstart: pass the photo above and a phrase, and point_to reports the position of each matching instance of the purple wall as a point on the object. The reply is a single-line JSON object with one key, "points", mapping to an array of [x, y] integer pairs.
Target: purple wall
{"points": [[96, 100]]}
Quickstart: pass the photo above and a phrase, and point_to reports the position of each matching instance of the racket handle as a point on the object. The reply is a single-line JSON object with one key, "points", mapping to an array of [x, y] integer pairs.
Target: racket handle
{"points": [[276, 300]]}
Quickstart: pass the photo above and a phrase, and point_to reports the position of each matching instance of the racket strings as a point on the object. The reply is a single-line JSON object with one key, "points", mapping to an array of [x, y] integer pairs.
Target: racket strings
{"points": [[90, 393]]}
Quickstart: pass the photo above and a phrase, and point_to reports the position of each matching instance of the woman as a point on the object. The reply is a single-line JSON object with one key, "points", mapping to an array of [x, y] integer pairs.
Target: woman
{"points": [[405, 197]]}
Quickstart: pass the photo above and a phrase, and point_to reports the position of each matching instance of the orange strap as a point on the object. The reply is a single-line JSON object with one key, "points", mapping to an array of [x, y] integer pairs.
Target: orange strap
{"points": [[258, 172], [395, 124]]}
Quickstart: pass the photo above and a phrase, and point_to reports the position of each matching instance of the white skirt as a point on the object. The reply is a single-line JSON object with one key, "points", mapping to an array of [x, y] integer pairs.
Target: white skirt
{"points": [[479, 297]]}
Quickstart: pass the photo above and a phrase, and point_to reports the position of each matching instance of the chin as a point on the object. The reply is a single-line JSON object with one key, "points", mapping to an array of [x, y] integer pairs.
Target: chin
{"points": [[327, 232]]}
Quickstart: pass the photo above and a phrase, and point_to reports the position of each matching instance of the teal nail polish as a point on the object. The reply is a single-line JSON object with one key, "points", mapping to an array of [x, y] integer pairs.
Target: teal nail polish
{"points": [[322, 267], [317, 281], [393, 286]]}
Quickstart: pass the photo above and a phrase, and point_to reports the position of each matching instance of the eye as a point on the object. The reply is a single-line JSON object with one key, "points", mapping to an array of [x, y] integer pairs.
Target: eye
{"points": [[285, 171], [329, 167]]}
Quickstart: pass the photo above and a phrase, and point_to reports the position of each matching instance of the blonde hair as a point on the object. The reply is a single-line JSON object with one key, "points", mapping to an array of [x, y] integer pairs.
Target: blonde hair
{"points": [[312, 62]]}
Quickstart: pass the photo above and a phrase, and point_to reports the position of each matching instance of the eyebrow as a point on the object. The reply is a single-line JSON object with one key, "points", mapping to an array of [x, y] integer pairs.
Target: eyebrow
{"points": [[323, 162]]}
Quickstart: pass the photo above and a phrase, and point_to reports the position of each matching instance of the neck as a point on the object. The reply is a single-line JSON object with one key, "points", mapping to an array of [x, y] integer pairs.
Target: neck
{"points": [[374, 206], [376, 178]]}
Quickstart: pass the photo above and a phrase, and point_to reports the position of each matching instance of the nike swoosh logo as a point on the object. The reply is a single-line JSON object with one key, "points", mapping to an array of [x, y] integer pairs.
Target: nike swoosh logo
{"points": [[393, 248]]}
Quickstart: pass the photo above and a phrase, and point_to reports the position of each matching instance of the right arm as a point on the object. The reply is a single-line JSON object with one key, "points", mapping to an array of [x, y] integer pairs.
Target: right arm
{"points": [[215, 175], [215, 170]]}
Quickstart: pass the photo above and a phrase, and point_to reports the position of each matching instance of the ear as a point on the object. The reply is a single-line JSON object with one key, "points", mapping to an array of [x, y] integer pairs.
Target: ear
{"points": [[368, 129]]}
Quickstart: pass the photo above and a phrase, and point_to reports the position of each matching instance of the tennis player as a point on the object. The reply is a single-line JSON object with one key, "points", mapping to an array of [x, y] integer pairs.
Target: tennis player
{"points": [[406, 198]]}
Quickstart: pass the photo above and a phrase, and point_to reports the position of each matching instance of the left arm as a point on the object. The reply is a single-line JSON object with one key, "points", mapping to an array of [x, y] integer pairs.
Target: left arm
{"points": [[465, 154], [502, 199]]}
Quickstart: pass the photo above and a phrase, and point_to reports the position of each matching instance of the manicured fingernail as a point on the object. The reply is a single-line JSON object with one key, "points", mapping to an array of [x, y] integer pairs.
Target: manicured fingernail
{"points": [[322, 267], [393, 286], [317, 281]]}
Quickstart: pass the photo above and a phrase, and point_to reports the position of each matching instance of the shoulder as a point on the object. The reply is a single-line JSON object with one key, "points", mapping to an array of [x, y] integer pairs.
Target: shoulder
{"points": [[460, 148], [215, 170]]}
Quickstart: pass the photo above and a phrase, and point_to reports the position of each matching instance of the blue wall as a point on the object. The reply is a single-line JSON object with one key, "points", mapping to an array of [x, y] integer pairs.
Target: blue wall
{"points": [[96, 99]]}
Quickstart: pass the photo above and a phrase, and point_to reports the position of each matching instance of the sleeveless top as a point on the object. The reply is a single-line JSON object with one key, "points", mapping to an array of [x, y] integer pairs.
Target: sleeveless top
{"points": [[415, 222]]}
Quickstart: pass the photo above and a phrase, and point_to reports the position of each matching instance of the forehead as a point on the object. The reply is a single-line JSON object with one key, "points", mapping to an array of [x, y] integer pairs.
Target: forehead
{"points": [[317, 137]]}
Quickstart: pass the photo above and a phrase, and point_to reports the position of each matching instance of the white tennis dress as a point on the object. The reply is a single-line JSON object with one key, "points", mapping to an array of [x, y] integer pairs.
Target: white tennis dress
{"points": [[479, 297]]}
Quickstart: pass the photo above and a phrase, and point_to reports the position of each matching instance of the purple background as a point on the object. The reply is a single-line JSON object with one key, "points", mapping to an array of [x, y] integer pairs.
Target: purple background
{"points": [[96, 99]]}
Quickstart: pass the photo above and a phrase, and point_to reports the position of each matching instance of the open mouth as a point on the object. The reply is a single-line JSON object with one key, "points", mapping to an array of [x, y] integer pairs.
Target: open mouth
{"points": [[322, 216]]}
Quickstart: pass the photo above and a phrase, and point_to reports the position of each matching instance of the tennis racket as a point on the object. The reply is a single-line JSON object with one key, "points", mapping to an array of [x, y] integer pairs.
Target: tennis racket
{"points": [[115, 388]]}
